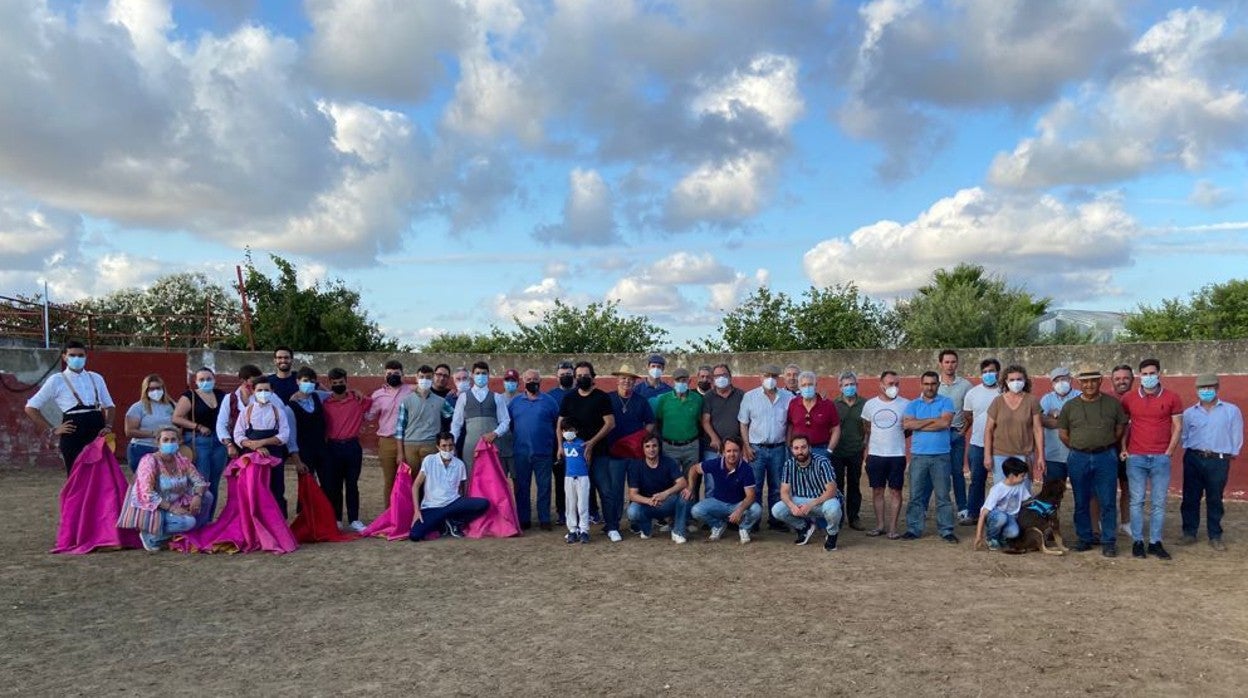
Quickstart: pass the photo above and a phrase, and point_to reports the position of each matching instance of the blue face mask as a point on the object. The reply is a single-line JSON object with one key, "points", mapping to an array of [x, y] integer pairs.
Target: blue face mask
{"points": [[306, 387], [76, 363], [989, 378], [168, 449], [1206, 394], [510, 386], [681, 387], [808, 392], [480, 380], [849, 390], [1150, 381], [207, 385]]}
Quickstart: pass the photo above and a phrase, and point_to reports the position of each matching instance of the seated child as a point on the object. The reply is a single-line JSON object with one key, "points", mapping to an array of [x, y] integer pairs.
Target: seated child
{"points": [[1001, 506]]}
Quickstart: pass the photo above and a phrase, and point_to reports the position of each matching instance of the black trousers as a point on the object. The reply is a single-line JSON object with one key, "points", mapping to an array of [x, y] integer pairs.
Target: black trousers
{"points": [[344, 461], [87, 426], [850, 487]]}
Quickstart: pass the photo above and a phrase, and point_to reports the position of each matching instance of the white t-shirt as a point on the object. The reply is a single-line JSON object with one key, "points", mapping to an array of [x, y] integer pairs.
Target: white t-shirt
{"points": [[887, 436], [1007, 498], [441, 480], [977, 401]]}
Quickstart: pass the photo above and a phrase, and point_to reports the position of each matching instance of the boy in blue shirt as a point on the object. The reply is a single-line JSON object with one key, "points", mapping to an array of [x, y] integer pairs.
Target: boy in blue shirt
{"points": [[575, 484]]}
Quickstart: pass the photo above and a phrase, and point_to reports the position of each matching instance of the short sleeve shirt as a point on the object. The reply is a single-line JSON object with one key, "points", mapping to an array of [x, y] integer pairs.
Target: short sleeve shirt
{"points": [[729, 487], [724, 411], [816, 423], [1051, 404], [679, 418], [1091, 425], [851, 427], [1151, 420], [161, 415], [651, 481], [441, 480], [589, 412], [956, 392], [929, 443], [1013, 434], [977, 401], [808, 481], [887, 438], [1007, 498], [574, 459]]}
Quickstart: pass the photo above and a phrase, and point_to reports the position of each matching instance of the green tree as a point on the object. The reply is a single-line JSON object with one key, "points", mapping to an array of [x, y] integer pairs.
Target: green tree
{"points": [[492, 342], [1217, 311], [323, 317], [966, 307], [763, 322], [835, 317], [562, 329], [177, 307]]}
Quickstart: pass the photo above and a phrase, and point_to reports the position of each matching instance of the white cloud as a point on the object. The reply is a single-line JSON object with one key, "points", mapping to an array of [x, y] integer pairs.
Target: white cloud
{"points": [[1207, 194], [588, 216], [641, 295], [728, 295], [656, 289], [31, 234], [721, 192], [1057, 249], [533, 300], [689, 268], [1175, 104]]}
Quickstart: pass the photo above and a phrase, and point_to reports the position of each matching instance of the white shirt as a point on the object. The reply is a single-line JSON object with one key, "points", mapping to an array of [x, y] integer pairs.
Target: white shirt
{"points": [[442, 480], [765, 417], [1007, 498], [500, 408], [888, 438], [263, 418], [977, 402], [89, 385]]}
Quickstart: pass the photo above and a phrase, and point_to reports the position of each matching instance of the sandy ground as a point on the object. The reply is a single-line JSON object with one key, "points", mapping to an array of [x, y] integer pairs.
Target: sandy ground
{"points": [[534, 616]]}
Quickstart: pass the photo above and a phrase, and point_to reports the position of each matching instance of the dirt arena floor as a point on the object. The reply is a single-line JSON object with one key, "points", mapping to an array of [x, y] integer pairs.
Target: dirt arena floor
{"points": [[534, 616]]}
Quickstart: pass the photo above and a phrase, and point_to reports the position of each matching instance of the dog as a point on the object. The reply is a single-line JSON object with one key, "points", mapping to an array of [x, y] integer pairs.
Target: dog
{"points": [[1037, 522]]}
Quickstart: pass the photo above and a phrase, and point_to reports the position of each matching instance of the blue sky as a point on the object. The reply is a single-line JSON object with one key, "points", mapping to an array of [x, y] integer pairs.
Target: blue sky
{"points": [[460, 162]]}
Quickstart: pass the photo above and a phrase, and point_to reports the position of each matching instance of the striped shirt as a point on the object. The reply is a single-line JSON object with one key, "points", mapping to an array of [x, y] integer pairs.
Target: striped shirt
{"points": [[808, 481]]}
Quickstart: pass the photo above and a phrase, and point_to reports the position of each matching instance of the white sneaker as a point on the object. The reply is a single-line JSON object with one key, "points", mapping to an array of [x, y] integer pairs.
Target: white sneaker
{"points": [[644, 536], [717, 532], [677, 538], [358, 526], [1126, 529], [745, 534], [964, 514], [615, 536], [665, 528]]}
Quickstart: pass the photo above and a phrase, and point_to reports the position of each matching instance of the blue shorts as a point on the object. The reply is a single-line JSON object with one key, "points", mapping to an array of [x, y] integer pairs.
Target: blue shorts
{"points": [[886, 470]]}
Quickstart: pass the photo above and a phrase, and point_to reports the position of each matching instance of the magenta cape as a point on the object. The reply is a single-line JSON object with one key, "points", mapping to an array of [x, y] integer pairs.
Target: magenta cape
{"points": [[315, 522], [396, 521], [251, 520], [91, 502], [489, 482]]}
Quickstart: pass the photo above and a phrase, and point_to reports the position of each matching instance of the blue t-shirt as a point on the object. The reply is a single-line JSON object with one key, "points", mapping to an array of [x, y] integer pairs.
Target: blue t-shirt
{"points": [[729, 488], [574, 458], [929, 443], [631, 415], [651, 481], [533, 423]]}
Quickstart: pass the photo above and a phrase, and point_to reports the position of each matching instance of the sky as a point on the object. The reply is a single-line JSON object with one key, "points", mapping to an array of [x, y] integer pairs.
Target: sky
{"points": [[463, 162]]}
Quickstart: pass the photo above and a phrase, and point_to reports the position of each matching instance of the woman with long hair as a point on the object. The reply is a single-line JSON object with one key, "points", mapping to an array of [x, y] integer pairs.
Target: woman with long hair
{"points": [[145, 418]]}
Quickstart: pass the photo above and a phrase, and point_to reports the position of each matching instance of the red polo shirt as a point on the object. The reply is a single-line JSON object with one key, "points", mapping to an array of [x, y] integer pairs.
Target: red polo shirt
{"points": [[1150, 415], [344, 415], [815, 424]]}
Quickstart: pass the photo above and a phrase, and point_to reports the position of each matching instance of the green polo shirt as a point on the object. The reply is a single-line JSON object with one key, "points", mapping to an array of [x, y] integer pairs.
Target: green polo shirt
{"points": [[679, 418], [851, 442], [1091, 425]]}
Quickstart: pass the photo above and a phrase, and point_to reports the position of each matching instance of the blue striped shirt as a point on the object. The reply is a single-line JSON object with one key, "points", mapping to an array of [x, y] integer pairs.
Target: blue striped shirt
{"points": [[810, 481]]}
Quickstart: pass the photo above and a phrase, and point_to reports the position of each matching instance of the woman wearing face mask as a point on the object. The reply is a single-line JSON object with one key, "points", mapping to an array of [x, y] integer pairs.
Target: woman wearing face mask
{"points": [[197, 412], [1014, 429], [168, 496], [145, 417]]}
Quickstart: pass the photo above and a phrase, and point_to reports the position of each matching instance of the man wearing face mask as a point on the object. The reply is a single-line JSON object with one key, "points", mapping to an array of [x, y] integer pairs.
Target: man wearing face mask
{"points": [[886, 453], [847, 457], [975, 413], [764, 411], [83, 400], [233, 404], [1213, 435], [1152, 437], [385, 411], [344, 416], [720, 408], [284, 381], [306, 414], [1055, 452], [505, 443], [463, 383], [443, 505], [479, 413], [420, 418], [443, 388], [704, 377], [262, 427], [565, 378], [534, 417], [653, 386], [590, 409]]}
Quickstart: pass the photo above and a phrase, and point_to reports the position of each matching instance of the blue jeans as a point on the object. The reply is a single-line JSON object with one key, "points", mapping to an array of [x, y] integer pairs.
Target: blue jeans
{"points": [[528, 467], [829, 511], [135, 452], [1094, 475], [674, 506], [715, 513], [979, 479], [929, 473], [180, 523], [210, 457], [1001, 526], [957, 445], [768, 461], [1203, 477], [1055, 470], [461, 511], [1142, 470], [610, 483]]}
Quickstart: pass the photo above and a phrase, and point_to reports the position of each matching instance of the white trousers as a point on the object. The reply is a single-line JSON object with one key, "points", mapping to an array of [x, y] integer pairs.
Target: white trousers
{"points": [[576, 489]]}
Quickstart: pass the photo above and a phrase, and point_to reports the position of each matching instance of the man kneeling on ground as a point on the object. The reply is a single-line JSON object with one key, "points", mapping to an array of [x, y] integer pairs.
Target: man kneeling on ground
{"points": [[808, 492], [732, 495], [654, 486], [444, 507]]}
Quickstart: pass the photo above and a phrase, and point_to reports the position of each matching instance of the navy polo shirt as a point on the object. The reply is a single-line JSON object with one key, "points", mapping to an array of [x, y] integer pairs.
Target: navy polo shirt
{"points": [[729, 487]]}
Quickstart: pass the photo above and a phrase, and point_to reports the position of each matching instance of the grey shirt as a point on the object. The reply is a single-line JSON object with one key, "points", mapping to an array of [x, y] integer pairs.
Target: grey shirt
{"points": [[956, 392]]}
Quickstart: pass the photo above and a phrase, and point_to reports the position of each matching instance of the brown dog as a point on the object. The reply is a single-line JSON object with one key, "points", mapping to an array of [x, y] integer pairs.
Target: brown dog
{"points": [[1037, 521]]}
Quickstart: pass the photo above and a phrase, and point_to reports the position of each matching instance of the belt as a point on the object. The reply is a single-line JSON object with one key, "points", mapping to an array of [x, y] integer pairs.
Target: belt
{"points": [[1214, 454], [776, 444], [680, 443], [1101, 449], [344, 441]]}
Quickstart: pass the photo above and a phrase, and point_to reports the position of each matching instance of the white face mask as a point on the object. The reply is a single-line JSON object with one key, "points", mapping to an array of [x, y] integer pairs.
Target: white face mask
{"points": [[656, 373], [1015, 386], [722, 382], [463, 386], [569, 435], [447, 454], [891, 392], [424, 384], [263, 396], [155, 394], [769, 383], [1061, 387]]}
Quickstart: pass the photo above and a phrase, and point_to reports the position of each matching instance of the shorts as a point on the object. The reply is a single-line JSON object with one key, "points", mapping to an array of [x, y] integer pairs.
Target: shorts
{"points": [[886, 470]]}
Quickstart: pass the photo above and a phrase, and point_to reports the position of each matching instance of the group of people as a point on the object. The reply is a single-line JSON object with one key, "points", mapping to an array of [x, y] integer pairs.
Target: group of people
{"points": [[693, 451]]}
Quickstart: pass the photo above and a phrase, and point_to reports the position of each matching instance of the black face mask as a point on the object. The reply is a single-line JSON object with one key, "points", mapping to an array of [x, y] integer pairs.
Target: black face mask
{"points": [[704, 386], [584, 382], [565, 382], [533, 387], [394, 380], [338, 389]]}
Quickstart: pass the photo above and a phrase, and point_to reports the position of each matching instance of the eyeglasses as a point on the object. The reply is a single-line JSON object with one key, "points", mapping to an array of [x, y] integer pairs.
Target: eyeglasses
{"points": [[442, 375]]}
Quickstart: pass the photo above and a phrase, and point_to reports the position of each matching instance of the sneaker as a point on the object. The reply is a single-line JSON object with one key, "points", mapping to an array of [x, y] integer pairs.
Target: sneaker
{"points": [[857, 525], [829, 543], [453, 531], [643, 536], [1126, 530], [526, 525], [805, 534], [909, 536], [584, 537], [614, 536], [634, 528], [357, 526], [745, 535], [1137, 549], [1081, 546], [150, 543], [950, 538], [1157, 551], [1217, 544], [571, 538], [561, 521], [665, 528], [717, 532], [1187, 539], [964, 514], [994, 544], [1109, 550], [677, 538]]}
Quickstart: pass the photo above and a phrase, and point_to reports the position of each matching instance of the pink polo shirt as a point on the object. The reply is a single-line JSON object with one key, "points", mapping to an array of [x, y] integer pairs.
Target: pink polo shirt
{"points": [[385, 407]]}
